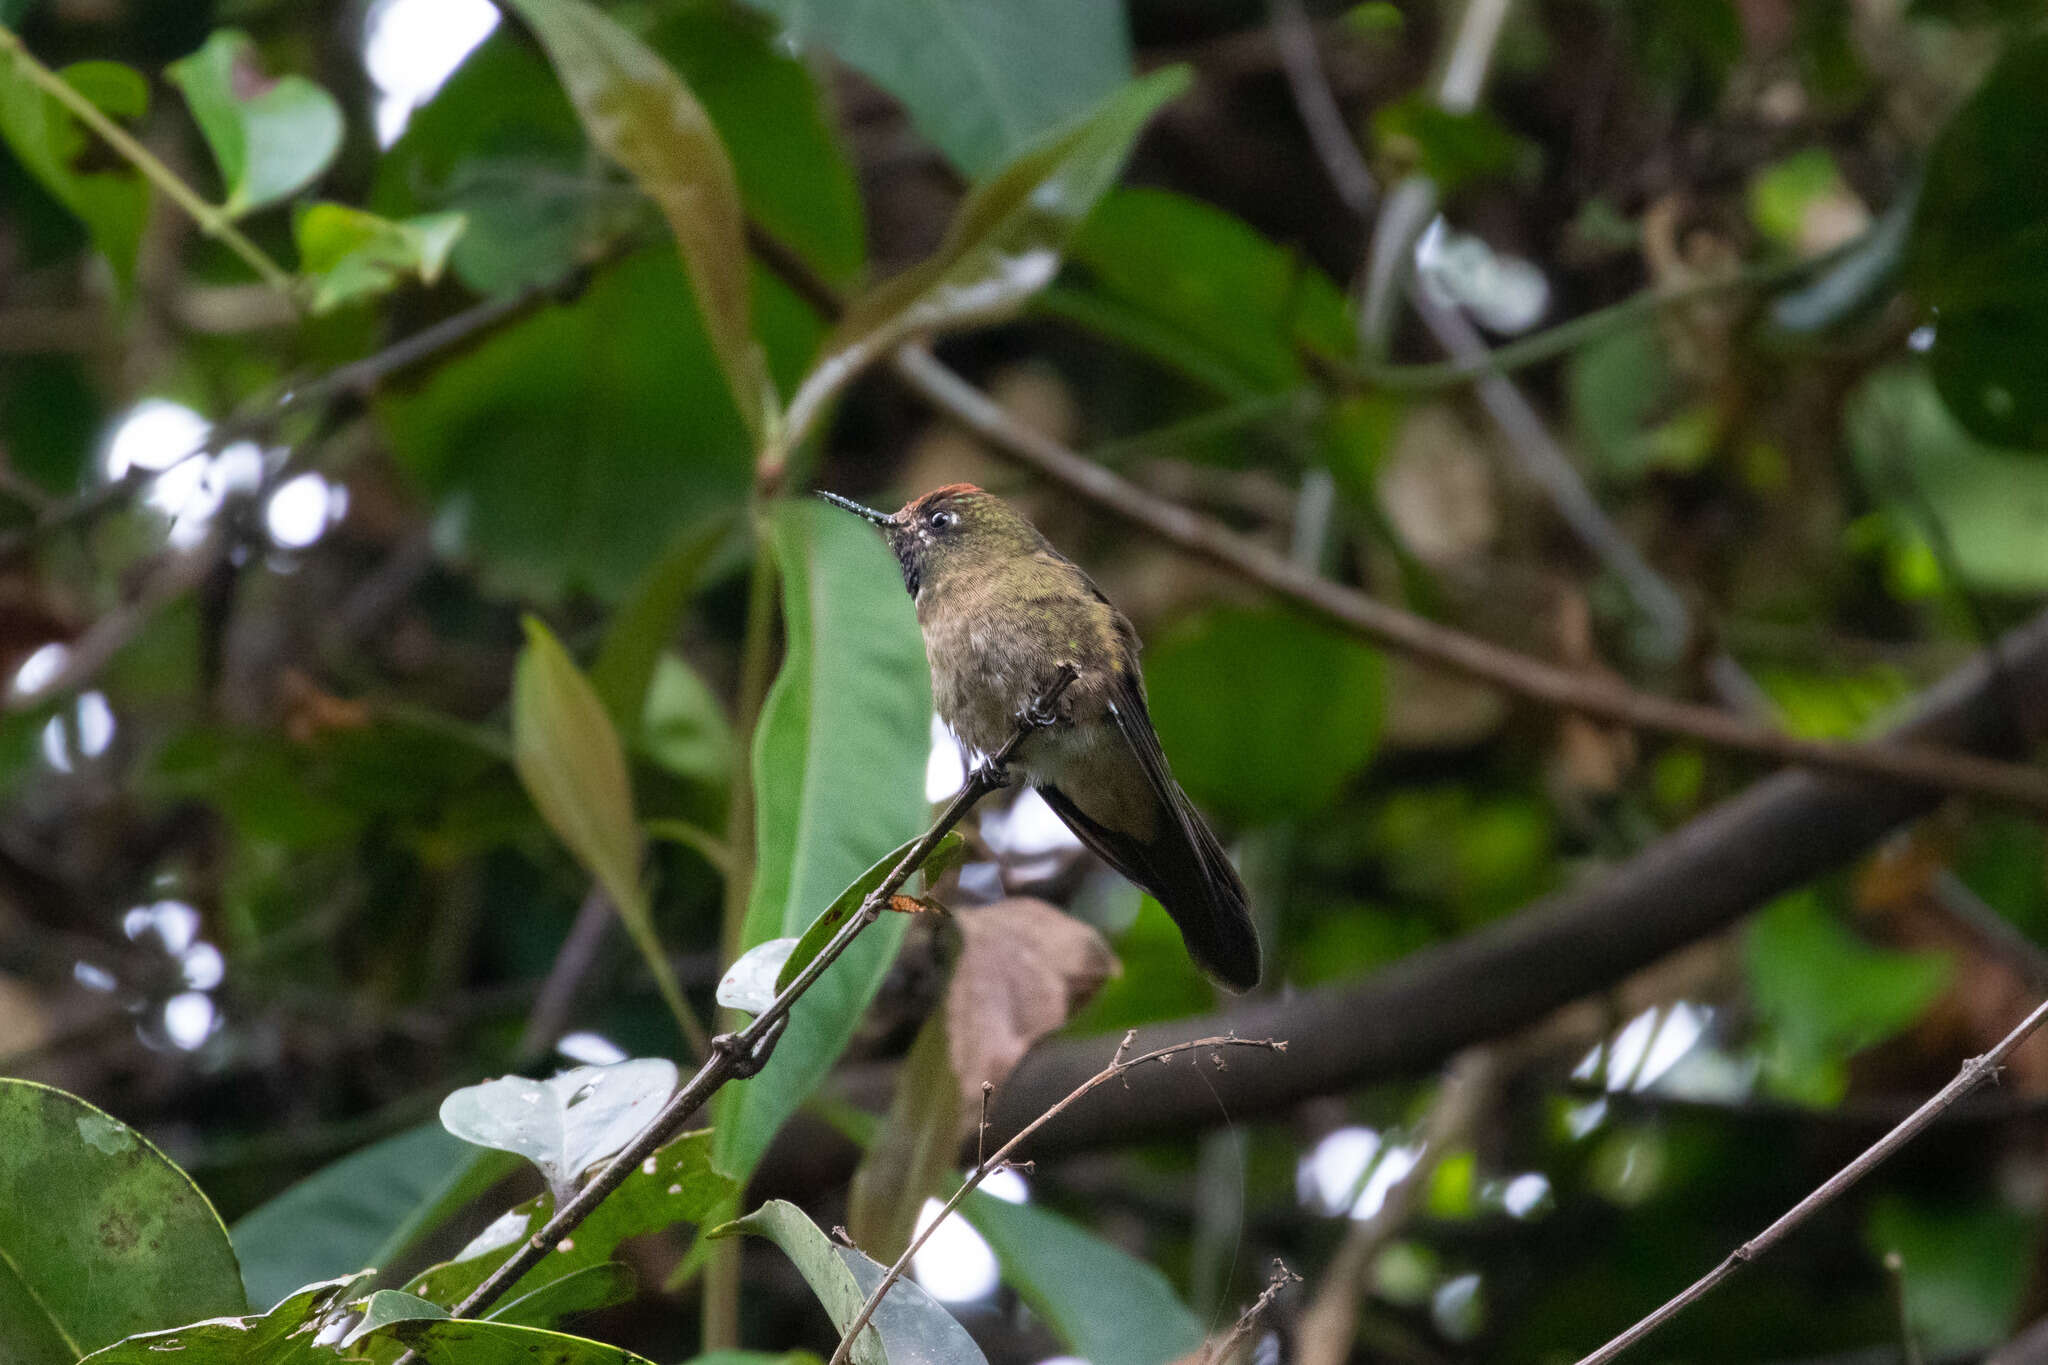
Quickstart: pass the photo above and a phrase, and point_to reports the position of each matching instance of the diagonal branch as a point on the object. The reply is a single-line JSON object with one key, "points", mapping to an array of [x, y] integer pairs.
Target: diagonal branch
{"points": [[1604, 699], [736, 1056], [1974, 1073]]}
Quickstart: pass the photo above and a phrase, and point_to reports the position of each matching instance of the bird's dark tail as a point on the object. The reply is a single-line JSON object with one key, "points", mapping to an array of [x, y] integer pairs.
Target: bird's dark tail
{"points": [[1187, 872]]}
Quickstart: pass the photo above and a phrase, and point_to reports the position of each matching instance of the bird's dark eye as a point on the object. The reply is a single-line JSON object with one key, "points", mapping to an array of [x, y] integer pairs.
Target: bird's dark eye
{"points": [[942, 520]]}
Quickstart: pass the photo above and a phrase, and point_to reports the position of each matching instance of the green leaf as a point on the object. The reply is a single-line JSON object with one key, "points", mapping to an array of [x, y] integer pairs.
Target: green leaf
{"points": [[581, 1291], [645, 623], [908, 1325], [839, 760], [1993, 501], [388, 1306], [1201, 291], [1104, 1304], [56, 149], [448, 1342], [1453, 149], [270, 138], [1979, 253], [793, 175], [1316, 723], [640, 114], [755, 1358], [567, 1123], [100, 1235], [569, 757], [981, 78], [569, 449], [362, 1210], [1823, 995], [1782, 193], [950, 851], [283, 1336], [680, 1187], [1004, 245], [684, 728], [350, 255]]}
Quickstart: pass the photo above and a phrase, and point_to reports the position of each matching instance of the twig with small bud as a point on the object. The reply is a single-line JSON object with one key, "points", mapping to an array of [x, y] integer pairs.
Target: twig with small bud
{"points": [[1119, 1066], [1249, 1319]]}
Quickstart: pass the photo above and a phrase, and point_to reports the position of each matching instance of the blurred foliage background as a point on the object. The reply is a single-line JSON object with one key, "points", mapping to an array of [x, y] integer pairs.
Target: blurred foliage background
{"points": [[271, 884]]}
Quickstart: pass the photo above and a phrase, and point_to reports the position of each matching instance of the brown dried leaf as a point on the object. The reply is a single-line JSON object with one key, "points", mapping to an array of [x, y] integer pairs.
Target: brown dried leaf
{"points": [[1024, 969]]}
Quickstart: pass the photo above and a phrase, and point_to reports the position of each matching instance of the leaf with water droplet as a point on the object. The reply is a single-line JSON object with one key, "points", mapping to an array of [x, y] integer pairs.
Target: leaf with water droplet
{"points": [[287, 1333], [566, 1124]]}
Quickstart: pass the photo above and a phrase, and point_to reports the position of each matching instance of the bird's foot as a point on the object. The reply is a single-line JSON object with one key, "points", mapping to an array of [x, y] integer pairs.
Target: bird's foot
{"points": [[990, 775], [1044, 709]]}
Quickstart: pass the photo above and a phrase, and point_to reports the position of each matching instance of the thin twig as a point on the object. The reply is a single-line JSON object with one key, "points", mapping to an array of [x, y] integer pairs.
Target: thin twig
{"points": [[212, 221], [178, 573], [1247, 1320], [1118, 1065], [1974, 1073], [736, 1056], [1320, 114], [1350, 610], [573, 960]]}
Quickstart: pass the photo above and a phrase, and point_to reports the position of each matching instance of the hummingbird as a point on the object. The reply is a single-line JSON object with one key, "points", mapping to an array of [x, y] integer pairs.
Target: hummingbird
{"points": [[1001, 612]]}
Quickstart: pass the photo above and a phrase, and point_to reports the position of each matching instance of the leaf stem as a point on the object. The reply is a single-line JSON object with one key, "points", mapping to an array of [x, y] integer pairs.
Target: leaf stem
{"points": [[211, 219]]}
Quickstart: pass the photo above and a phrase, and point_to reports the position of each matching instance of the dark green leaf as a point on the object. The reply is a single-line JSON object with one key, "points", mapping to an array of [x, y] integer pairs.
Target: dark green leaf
{"points": [[570, 759], [685, 729], [640, 114], [1452, 149], [502, 1343], [1979, 253], [1203, 292], [981, 78], [349, 255], [909, 1327], [270, 138], [100, 1235], [681, 1187], [581, 1291], [1003, 246], [283, 1336], [1262, 714], [1963, 1286], [914, 1152], [571, 448], [55, 148], [1105, 1305], [387, 1306], [947, 853], [361, 1210], [567, 1123], [839, 760]]}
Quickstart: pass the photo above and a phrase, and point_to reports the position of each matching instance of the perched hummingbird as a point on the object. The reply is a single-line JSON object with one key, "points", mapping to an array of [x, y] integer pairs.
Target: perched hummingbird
{"points": [[1001, 611]]}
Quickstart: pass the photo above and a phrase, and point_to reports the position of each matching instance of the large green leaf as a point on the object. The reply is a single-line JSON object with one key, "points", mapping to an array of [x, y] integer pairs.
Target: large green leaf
{"points": [[839, 760], [100, 1235], [567, 1123], [442, 1341], [1003, 246], [646, 621], [57, 150], [1313, 720], [640, 114], [361, 1210], [1979, 253], [283, 1336], [270, 138], [1201, 291], [574, 767], [1104, 1304], [981, 78], [908, 1327], [677, 1185], [571, 448]]}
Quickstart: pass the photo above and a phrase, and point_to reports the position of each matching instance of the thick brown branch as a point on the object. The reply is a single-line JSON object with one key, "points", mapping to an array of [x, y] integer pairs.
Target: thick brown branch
{"points": [[1405, 1020]]}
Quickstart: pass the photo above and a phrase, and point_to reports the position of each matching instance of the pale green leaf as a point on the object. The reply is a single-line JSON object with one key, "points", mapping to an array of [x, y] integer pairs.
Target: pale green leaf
{"points": [[567, 1123], [270, 138]]}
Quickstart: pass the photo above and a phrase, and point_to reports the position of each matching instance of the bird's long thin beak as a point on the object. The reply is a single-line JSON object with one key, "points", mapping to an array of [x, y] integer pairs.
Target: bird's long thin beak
{"points": [[859, 510]]}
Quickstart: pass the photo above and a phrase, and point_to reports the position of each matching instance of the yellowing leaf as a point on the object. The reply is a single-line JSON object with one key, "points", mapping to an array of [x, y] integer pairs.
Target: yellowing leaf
{"points": [[641, 115]]}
